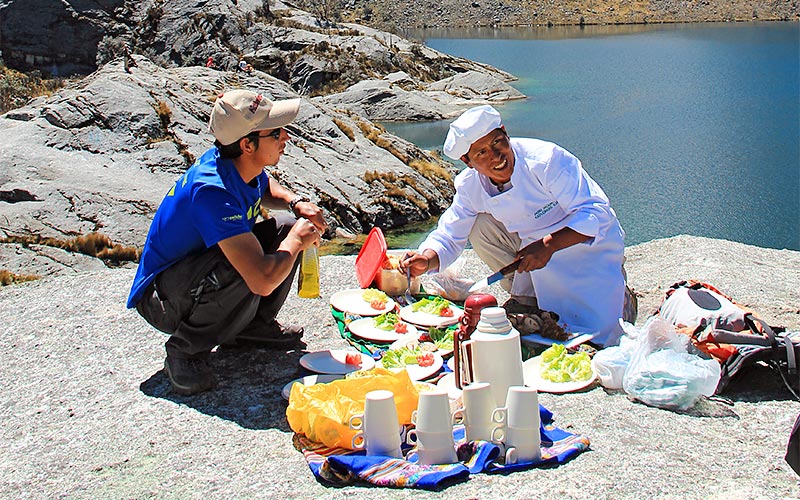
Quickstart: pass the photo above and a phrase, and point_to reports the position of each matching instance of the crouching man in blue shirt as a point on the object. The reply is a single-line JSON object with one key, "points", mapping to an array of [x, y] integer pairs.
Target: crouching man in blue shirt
{"points": [[210, 275]]}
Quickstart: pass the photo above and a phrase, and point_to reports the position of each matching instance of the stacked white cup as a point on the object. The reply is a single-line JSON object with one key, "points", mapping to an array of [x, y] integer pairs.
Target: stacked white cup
{"points": [[519, 429], [433, 434], [476, 415], [379, 426]]}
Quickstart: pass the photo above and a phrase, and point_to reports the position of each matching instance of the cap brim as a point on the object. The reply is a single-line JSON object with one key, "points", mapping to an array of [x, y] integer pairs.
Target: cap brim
{"points": [[281, 114]]}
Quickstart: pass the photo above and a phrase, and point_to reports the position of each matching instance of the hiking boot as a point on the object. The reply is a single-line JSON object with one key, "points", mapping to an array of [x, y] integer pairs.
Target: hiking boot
{"points": [[188, 375], [272, 334]]}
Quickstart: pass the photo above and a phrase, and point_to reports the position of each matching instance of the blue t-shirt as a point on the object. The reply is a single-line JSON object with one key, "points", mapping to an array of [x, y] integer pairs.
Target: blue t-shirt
{"points": [[207, 204]]}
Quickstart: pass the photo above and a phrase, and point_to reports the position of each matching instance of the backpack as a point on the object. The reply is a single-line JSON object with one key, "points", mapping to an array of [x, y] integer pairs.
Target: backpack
{"points": [[730, 333]]}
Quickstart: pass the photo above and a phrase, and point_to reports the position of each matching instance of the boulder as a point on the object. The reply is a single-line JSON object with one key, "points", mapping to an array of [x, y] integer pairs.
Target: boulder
{"points": [[399, 97], [477, 86]]}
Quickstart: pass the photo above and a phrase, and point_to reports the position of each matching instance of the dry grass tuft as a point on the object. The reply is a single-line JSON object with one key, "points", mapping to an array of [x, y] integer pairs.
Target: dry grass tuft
{"points": [[9, 278], [346, 130], [429, 170], [93, 244]]}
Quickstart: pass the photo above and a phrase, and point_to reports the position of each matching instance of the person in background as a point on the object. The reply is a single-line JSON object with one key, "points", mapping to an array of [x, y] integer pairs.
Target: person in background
{"points": [[245, 66], [210, 63], [209, 274], [532, 201]]}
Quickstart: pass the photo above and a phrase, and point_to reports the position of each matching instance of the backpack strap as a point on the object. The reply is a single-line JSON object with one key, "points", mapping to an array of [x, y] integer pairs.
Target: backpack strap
{"points": [[791, 358]]}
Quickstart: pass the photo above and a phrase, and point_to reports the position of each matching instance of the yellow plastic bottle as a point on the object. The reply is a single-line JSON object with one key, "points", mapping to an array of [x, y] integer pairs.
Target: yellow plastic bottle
{"points": [[308, 277]]}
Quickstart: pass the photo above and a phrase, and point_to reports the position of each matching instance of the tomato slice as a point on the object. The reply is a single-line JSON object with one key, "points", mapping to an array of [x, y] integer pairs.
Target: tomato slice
{"points": [[378, 304], [400, 327], [425, 359], [352, 358], [446, 312]]}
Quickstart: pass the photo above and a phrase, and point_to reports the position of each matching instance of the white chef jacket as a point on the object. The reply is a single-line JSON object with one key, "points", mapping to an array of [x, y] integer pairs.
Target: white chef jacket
{"points": [[550, 190]]}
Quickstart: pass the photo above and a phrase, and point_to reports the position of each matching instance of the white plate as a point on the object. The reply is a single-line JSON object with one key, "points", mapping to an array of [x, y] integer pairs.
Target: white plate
{"points": [[424, 386], [333, 361], [409, 338], [425, 319], [416, 372], [350, 301], [365, 328], [532, 377], [307, 381], [451, 363]]}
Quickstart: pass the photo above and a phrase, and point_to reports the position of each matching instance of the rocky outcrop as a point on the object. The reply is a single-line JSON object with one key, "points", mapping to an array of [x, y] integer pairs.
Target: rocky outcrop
{"points": [[313, 56], [99, 155], [399, 97]]}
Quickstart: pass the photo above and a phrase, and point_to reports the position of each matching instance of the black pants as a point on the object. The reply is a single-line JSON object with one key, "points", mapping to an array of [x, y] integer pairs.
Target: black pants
{"points": [[202, 301]]}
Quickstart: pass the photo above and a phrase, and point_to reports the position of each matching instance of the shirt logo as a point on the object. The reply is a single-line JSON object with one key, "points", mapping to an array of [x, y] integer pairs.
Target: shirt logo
{"points": [[232, 218], [544, 209]]}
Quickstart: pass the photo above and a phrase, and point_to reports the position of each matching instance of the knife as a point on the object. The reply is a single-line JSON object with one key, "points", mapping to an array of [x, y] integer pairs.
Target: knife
{"points": [[494, 278]]}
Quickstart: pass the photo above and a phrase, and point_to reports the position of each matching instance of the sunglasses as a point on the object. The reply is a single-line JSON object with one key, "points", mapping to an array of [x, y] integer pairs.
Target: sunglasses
{"points": [[275, 134]]}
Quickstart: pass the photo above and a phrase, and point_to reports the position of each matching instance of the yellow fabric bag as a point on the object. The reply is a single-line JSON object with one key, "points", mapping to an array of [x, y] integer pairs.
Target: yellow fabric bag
{"points": [[322, 411]]}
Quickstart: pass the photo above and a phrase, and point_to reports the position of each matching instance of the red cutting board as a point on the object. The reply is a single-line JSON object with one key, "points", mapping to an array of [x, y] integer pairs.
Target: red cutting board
{"points": [[370, 257]]}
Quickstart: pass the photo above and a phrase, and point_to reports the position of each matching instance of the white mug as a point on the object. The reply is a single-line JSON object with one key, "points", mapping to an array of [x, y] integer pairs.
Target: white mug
{"points": [[434, 456], [526, 443], [521, 409], [433, 412], [477, 412], [430, 440], [380, 428], [378, 444]]}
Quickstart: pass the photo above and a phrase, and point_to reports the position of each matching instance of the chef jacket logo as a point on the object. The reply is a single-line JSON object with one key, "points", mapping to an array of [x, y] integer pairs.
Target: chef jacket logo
{"points": [[544, 209]]}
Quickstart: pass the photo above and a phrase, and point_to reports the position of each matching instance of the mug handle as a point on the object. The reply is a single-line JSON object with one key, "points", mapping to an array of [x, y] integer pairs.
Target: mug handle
{"points": [[498, 429], [359, 417], [359, 441], [499, 415], [411, 437], [511, 456], [458, 417]]}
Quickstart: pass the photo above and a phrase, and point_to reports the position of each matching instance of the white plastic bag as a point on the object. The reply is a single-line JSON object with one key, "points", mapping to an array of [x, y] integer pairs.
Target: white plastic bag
{"points": [[449, 283], [610, 365], [662, 373]]}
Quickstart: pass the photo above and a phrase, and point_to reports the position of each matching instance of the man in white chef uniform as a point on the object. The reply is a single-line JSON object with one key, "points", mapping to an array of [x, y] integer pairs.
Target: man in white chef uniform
{"points": [[531, 200]]}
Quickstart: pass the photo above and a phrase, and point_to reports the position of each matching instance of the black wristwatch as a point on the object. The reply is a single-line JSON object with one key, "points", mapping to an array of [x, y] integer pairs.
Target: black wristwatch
{"points": [[297, 199]]}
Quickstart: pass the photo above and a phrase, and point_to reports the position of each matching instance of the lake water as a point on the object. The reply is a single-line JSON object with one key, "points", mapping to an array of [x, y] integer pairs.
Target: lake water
{"points": [[690, 129]]}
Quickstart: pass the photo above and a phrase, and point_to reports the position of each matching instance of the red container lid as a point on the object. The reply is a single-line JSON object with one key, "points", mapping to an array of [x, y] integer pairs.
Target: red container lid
{"points": [[370, 257]]}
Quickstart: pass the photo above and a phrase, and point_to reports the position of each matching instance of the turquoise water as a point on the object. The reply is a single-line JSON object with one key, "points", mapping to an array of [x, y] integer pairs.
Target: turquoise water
{"points": [[690, 129]]}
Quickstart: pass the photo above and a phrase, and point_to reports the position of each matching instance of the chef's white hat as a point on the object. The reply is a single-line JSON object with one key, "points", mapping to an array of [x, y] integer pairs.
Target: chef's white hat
{"points": [[473, 124]]}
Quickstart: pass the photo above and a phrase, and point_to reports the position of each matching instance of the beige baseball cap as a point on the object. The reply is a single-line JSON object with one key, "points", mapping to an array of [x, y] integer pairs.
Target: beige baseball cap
{"points": [[236, 113]]}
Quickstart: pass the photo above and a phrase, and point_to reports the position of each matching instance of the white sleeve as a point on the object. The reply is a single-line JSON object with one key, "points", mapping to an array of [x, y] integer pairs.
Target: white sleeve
{"points": [[451, 234]]}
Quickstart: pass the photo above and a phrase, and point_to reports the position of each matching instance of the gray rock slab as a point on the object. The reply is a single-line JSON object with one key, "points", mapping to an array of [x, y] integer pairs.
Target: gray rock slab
{"points": [[87, 412]]}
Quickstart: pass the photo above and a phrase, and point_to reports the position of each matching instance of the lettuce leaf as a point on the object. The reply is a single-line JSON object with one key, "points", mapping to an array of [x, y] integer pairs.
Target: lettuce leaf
{"points": [[386, 321], [431, 306], [558, 366]]}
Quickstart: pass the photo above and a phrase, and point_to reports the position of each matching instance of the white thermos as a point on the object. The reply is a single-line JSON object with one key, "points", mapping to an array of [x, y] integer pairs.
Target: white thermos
{"points": [[493, 353]]}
